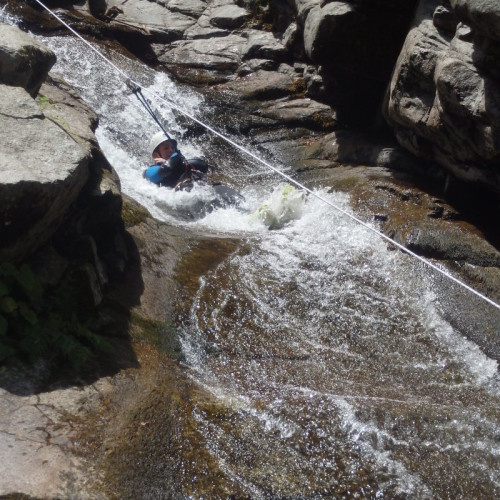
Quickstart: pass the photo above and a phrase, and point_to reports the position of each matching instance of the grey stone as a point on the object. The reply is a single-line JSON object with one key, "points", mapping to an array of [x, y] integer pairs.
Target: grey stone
{"points": [[445, 19], [300, 112], [191, 8], [304, 7], [290, 36], [38, 439], [483, 15], [63, 106], [448, 241], [24, 62], [217, 54], [263, 45], [204, 29], [41, 163], [201, 32], [443, 106], [228, 16], [253, 65], [321, 25], [163, 25], [262, 85], [287, 70]]}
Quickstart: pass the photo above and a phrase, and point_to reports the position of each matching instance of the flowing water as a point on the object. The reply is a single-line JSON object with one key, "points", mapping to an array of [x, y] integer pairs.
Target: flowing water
{"points": [[340, 375]]}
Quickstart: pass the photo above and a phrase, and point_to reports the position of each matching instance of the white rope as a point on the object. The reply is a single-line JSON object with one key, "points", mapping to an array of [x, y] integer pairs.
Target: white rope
{"points": [[274, 169]]}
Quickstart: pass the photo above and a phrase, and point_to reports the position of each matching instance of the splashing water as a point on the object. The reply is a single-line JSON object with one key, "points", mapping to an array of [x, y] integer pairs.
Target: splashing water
{"points": [[339, 373], [285, 204], [339, 368]]}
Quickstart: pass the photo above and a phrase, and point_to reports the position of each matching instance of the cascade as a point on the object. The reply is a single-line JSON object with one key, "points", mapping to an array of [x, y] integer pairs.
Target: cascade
{"points": [[330, 352]]}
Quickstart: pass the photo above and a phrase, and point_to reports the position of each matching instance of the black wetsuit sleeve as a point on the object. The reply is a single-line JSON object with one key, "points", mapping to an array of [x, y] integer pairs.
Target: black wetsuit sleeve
{"points": [[173, 170]]}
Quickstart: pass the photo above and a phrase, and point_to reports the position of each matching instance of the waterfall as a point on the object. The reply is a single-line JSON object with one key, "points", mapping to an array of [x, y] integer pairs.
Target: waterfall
{"points": [[338, 370]]}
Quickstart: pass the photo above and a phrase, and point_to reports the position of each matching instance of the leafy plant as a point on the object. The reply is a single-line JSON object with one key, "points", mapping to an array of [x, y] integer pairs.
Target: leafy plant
{"points": [[35, 323]]}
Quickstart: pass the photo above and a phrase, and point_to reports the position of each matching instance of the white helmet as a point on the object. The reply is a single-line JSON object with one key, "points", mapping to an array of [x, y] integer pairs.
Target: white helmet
{"points": [[157, 139]]}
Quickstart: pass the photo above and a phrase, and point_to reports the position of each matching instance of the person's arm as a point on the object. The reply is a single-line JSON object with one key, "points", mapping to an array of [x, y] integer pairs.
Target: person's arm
{"points": [[175, 165]]}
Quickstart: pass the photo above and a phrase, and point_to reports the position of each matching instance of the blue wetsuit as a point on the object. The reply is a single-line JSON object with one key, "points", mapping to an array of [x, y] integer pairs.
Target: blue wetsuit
{"points": [[152, 174], [169, 173], [174, 170]]}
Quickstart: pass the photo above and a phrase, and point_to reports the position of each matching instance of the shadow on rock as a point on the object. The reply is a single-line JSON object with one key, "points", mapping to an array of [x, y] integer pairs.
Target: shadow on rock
{"points": [[67, 307]]}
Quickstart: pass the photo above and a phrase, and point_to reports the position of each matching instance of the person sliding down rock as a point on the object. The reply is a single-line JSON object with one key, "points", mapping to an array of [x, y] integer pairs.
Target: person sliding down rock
{"points": [[170, 168]]}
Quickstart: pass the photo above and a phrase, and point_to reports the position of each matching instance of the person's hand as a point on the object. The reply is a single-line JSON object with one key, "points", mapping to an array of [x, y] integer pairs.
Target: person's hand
{"points": [[159, 160]]}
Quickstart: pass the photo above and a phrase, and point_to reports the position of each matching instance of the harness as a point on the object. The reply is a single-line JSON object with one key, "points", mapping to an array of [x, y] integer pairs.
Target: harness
{"points": [[191, 174]]}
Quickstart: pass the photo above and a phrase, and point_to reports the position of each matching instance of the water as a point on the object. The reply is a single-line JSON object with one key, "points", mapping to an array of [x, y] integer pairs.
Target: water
{"points": [[339, 374], [317, 338]]}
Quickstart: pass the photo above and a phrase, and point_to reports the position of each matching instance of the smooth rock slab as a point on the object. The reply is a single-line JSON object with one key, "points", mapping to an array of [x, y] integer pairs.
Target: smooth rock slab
{"points": [[164, 25], [262, 85], [39, 441], [305, 112], [217, 54]]}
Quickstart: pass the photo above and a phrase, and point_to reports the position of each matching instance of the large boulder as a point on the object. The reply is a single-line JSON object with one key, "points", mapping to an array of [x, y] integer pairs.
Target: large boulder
{"points": [[23, 61], [222, 53], [163, 24], [326, 27], [43, 171], [203, 60], [303, 8], [444, 98], [262, 85], [263, 45], [299, 112]]}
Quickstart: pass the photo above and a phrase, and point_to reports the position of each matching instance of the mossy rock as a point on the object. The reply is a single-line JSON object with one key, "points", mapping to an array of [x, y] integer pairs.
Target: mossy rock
{"points": [[162, 335], [133, 213]]}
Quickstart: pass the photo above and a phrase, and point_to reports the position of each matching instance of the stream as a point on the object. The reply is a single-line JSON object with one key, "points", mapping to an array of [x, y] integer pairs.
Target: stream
{"points": [[340, 373]]}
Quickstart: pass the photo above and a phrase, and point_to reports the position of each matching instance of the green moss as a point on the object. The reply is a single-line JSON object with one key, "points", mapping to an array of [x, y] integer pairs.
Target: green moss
{"points": [[162, 335], [44, 101], [323, 121], [35, 322], [133, 214], [298, 87]]}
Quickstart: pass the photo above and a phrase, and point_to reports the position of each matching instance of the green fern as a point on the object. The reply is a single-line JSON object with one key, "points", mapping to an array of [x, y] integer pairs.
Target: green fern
{"points": [[36, 323]]}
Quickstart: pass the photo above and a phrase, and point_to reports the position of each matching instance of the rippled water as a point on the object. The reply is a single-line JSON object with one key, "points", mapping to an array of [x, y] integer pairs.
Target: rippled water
{"points": [[345, 378], [340, 376]]}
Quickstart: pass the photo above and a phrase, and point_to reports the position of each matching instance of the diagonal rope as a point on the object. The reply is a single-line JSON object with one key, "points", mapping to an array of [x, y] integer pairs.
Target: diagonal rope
{"points": [[129, 81], [137, 91]]}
